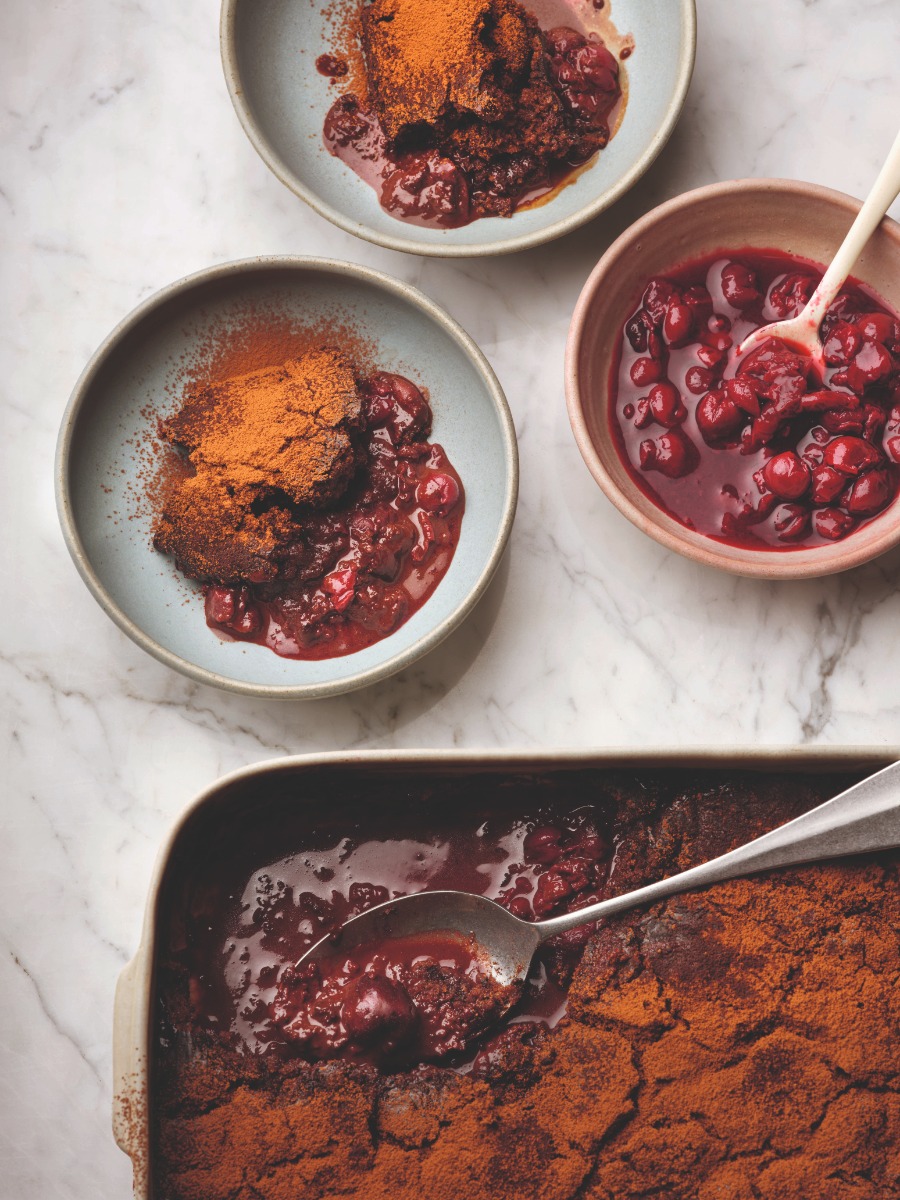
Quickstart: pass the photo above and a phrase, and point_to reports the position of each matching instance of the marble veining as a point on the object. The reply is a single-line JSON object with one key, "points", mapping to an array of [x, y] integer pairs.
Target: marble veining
{"points": [[124, 167]]}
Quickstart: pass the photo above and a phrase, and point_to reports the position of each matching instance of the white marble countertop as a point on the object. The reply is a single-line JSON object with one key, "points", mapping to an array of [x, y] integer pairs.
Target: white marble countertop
{"points": [[123, 168]]}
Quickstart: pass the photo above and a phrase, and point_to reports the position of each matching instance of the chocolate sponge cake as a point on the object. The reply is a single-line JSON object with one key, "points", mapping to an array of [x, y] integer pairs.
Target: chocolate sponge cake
{"points": [[258, 445], [431, 62]]}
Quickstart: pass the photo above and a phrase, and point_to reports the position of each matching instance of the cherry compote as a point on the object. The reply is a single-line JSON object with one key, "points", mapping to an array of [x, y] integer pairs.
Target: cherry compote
{"points": [[361, 568], [758, 451]]}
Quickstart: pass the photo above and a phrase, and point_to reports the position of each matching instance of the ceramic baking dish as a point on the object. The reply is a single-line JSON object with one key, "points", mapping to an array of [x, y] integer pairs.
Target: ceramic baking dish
{"points": [[132, 1098]]}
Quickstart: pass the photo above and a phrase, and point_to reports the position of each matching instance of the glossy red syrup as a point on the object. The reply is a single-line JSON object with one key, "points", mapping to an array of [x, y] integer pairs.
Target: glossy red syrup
{"points": [[364, 566], [758, 452], [424, 999]]}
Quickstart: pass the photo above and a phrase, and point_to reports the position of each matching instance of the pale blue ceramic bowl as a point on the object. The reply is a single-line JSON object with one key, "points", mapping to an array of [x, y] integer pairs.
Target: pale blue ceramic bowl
{"points": [[114, 409], [269, 49]]}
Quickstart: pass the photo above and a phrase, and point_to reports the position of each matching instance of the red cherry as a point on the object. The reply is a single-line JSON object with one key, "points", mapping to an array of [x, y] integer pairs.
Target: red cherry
{"points": [[869, 494], [745, 394], [843, 420], [833, 524], [656, 299], [791, 522], [233, 609], [873, 362], [376, 1007], [341, 587], [827, 484], [678, 323], [698, 380], [438, 493], [842, 344], [790, 296], [645, 371], [541, 845], [672, 454], [249, 620], [665, 404], [718, 418], [893, 448], [709, 356], [879, 327], [851, 455], [643, 415], [219, 605], [739, 285], [787, 475], [426, 185]]}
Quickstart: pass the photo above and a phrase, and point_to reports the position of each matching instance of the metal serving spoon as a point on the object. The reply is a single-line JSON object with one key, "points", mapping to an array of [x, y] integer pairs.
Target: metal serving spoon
{"points": [[802, 331], [866, 817]]}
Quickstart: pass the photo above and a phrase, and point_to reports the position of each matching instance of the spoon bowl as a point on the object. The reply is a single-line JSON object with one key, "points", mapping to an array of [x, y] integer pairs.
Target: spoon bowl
{"points": [[501, 944]]}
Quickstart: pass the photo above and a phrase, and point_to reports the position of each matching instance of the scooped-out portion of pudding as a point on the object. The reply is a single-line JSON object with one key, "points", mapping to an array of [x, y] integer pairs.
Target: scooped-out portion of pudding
{"points": [[470, 109]]}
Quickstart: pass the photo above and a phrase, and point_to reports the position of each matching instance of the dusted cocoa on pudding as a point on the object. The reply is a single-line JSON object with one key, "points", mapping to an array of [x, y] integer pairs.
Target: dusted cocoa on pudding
{"points": [[758, 452], [739, 1041], [469, 109], [311, 504]]}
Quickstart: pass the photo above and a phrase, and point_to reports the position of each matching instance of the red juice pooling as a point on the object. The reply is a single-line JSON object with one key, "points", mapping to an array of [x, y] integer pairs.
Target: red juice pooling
{"points": [[398, 1003], [758, 452]]}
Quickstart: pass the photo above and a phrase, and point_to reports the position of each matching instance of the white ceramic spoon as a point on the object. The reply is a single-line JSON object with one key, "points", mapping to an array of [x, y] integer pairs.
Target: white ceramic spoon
{"points": [[802, 331]]}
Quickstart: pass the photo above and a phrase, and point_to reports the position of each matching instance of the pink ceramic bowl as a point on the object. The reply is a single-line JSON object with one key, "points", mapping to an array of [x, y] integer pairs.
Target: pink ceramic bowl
{"points": [[797, 218]]}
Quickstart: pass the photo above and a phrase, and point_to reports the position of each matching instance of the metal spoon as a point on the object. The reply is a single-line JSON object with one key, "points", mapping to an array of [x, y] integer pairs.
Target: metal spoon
{"points": [[802, 331], [865, 817]]}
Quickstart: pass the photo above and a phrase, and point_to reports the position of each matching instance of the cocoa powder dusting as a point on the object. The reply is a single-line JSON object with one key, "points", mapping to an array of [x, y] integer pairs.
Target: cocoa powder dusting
{"points": [[429, 54], [269, 438], [738, 1043]]}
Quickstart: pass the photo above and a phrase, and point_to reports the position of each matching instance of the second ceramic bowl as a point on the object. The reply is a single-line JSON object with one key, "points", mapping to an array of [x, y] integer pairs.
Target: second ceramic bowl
{"points": [[269, 49], [795, 218], [108, 431]]}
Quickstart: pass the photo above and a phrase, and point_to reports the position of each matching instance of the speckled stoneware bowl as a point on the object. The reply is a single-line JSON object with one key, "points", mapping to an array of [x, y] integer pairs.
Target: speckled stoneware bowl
{"points": [[269, 49], [798, 218], [102, 459]]}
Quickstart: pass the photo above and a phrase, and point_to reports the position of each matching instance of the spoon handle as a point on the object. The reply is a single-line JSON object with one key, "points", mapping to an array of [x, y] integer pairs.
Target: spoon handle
{"points": [[865, 817], [883, 194]]}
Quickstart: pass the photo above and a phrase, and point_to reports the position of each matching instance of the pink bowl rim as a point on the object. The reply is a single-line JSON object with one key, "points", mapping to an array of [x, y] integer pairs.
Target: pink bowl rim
{"points": [[795, 564]]}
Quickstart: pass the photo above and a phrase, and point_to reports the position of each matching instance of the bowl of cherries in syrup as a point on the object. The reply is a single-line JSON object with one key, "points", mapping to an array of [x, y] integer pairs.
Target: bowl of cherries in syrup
{"points": [[756, 463]]}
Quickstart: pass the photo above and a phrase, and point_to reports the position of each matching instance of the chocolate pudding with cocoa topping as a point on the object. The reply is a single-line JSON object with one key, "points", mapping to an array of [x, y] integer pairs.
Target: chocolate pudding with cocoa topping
{"points": [[469, 108], [311, 505], [738, 1041]]}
